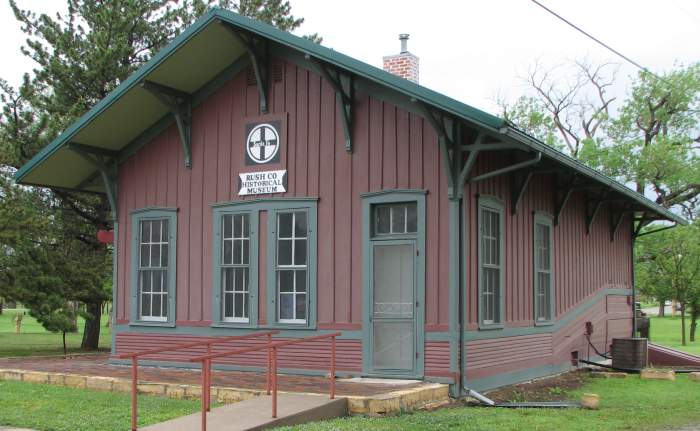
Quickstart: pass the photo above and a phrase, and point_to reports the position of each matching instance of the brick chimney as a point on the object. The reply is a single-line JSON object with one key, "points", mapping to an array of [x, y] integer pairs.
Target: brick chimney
{"points": [[403, 64]]}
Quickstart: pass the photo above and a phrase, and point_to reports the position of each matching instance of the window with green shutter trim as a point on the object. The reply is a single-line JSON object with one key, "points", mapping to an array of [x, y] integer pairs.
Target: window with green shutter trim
{"points": [[153, 273], [490, 254], [542, 260]]}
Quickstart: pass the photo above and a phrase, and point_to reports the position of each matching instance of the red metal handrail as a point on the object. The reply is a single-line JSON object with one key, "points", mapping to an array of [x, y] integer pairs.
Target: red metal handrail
{"points": [[206, 361], [208, 343]]}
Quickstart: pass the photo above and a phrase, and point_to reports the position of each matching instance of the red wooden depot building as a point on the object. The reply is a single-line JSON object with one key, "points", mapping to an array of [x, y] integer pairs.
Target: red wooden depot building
{"points": [[260, 181]]}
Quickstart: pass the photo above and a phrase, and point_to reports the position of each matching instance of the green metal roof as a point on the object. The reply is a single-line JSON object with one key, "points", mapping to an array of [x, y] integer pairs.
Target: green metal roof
{"points": [[129, 111]]}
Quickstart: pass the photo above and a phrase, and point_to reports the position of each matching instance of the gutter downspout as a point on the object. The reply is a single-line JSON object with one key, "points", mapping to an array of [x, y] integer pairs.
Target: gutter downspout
{"points": [[634, 283], [462, 297], [454, 292]]}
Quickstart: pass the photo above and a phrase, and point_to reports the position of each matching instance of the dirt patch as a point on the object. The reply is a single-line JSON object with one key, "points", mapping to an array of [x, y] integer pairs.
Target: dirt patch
{"points": [[546, 389]]}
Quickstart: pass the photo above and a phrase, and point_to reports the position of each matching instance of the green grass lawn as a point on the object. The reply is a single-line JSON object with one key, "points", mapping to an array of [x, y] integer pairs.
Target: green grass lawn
{"points": [[56, 408], [34, 340], [629, 404], [667, 332]]}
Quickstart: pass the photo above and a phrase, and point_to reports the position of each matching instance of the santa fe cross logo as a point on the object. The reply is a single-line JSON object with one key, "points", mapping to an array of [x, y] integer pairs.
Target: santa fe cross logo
{"points": [[262, 143]]}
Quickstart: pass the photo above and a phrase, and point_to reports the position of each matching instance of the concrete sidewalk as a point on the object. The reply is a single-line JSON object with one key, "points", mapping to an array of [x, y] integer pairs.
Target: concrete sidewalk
{"points": [[255, 414]]}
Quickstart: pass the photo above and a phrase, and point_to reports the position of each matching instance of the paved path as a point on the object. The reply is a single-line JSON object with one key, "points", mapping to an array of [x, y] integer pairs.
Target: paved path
{"points": [[255, 413], [98, 365]]}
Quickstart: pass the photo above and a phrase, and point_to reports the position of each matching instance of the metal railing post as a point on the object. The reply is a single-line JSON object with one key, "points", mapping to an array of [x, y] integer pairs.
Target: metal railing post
{"points": [[204, 395], [269, 363], [134, 392], [208, 371], [332, 367], [274, 382]]}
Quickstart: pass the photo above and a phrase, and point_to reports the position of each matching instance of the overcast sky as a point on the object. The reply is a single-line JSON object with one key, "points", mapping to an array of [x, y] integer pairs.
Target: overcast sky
{"points": [[470, 50]]}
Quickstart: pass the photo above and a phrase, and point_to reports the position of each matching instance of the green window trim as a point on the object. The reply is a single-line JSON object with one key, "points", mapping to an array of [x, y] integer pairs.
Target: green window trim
{"points": [[494, 205], [153, 214], [369, 201], [219, 212], [542, 219], [273, 207]]}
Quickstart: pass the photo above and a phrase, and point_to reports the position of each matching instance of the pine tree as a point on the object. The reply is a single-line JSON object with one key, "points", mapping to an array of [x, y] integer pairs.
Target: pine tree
{"points": [[80, 57]]}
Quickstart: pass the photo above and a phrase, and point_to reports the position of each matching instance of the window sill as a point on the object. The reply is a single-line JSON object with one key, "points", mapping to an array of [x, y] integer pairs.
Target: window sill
{"points": [[544, 322], [152, 323], [490, 326], [284, 325], [241, 325]]}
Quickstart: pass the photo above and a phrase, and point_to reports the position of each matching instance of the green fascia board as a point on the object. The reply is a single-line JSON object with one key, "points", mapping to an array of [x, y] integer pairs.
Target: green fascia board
{"points": [[364, 70], [131, 82]]}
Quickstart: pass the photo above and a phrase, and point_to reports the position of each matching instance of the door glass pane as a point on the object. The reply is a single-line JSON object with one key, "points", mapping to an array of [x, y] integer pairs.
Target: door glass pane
{"points": [[393, 280], [412, 218], [393, 345], [398, 219]]}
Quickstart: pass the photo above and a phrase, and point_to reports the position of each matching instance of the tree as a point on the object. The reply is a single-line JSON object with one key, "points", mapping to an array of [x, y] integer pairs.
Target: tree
{"points": [[80, 57], [674, 257], [649, 141], [565, 113]]}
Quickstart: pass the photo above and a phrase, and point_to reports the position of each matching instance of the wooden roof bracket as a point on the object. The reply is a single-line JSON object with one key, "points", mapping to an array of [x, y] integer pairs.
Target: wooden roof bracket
{"points": [[561, 201], [180, 105], [105, 162], [637, 234], [591, 215], [512, 168], [444, 126], [344, 86], [616, 221], [518, 185], [258, 50]]}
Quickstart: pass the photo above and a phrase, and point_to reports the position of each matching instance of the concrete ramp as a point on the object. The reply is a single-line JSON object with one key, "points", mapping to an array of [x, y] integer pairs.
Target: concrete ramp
{"points": [[665, 356], [256, 414]]}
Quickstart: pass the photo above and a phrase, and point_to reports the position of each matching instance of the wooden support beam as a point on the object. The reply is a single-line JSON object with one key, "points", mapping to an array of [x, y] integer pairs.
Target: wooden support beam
{"points": [[508, 169], [591, 215], [615, 222], [258, 50], [87, 181], [518, 185], [93, 150], [499, 146], [560, 202], [106, 167], [447, 146], [344, 86], [180, 105]]}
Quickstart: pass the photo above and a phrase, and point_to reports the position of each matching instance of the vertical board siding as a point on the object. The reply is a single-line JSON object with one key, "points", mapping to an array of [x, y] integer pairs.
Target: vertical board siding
{"points": [[392, 148], [583, 263]]}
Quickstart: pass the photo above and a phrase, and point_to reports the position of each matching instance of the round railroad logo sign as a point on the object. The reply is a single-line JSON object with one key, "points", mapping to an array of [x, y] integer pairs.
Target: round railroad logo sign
{"points": [[263, 143]]}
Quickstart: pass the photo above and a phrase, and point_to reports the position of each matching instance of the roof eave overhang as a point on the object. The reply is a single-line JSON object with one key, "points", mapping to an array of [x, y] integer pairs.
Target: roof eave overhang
{"points": [[408, 90]]}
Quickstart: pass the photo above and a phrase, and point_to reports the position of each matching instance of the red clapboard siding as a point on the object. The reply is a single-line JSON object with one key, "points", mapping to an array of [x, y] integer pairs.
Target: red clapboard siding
{"points": [[313, 355], [392, 148], [493, 356], [437, 358]]}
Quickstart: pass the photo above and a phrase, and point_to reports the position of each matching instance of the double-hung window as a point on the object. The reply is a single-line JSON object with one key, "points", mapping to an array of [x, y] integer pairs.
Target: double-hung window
{"points": [[491, 277], [235, 267], [544, 291], [292, 266], [264, 250], [153, 272]]}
